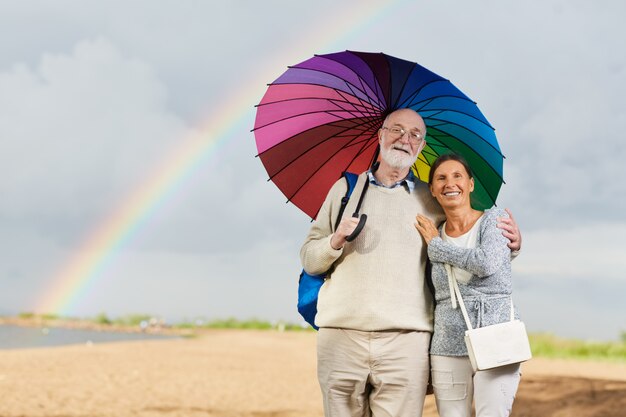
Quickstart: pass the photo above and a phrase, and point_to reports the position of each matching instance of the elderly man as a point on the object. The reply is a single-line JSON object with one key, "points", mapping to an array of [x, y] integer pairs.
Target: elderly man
{"points": [[375, 309]]}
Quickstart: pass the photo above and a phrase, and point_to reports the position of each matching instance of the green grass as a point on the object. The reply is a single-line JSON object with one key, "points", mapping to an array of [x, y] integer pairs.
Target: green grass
{"points": [[137, 320], [29, 315], [232, 323], [550, 346], [102, 318]]}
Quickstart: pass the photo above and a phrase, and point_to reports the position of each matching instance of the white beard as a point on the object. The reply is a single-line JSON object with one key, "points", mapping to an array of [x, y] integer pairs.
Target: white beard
{"points": [[397, 159]]}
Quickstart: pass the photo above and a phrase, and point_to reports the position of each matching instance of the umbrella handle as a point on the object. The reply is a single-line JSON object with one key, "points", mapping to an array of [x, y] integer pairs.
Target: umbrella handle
{"points": [[359, 227]]}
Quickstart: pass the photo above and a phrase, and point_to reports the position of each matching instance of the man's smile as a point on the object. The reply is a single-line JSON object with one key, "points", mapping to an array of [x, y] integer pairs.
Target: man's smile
{"points": [[397, 148]]}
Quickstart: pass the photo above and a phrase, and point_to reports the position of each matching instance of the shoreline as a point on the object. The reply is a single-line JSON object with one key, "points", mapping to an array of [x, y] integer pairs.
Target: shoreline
{"points": [[78, 324]]}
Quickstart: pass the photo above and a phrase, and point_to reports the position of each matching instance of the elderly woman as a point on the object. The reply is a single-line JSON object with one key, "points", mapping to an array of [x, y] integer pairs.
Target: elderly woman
{"points": [[471, 247]]}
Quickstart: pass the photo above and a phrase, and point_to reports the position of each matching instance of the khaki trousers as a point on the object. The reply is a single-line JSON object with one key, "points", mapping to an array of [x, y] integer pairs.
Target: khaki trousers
{"points": [[377, 374], [456, 385]]}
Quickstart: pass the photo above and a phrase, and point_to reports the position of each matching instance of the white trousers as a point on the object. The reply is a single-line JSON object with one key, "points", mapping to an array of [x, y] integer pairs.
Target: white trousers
{"points": [[378, 374], [456, 385]]}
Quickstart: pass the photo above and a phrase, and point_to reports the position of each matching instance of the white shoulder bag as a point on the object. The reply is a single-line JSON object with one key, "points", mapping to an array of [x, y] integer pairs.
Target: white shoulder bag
{"points": [[492, 346]]}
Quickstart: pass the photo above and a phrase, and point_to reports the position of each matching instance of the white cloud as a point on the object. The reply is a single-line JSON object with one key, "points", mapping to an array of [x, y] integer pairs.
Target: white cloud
{"points": [[80, 130], [588, 251]]}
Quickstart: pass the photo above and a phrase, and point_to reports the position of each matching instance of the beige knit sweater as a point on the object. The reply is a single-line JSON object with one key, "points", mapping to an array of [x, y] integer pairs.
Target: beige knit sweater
{"points": [[375, 282]]}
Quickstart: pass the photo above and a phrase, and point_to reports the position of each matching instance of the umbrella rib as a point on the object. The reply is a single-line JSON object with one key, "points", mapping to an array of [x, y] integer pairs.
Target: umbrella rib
{"points": [[362, 81], [309, 113], [322, 165], [349, 85], [341, 93], [441, 144], [415, 93], [419, 90], [473, 150], [458, 125], [348, 111], [378, 104], [495, 171], [376, 122], [368, 123], [430, 152], [312, 98], [361, 133], [357, 125], [325, 86], [430, 99], [327, 73], [356, 114], [423, 159], [304, 152], [441, 111], [375, 88], [302, 114], [378, 87], [396, 104], [491, 196], [298, 115]]}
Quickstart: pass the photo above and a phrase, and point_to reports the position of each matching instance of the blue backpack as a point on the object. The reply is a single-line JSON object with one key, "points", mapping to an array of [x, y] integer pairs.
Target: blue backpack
{"points": [[309, 285]]}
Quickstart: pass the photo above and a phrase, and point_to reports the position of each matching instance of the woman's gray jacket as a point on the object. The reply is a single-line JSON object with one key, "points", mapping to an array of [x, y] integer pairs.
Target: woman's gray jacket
{"points": [[487, 295]]}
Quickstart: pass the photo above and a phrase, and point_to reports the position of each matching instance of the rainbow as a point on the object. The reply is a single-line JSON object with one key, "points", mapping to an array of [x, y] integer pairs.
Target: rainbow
{"points": [[107, 240]]}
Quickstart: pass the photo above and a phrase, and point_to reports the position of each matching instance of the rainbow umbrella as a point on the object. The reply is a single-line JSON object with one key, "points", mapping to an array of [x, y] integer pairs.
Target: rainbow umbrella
{"points": [[321, 118]]}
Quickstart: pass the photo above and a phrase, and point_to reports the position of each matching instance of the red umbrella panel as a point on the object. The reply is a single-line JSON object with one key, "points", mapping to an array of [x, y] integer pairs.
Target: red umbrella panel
{"points": [[321, 118]]}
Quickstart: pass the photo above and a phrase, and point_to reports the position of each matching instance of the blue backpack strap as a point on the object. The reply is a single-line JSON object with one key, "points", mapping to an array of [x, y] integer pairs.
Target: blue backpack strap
{"points": [[309, 285], [351, 180]]}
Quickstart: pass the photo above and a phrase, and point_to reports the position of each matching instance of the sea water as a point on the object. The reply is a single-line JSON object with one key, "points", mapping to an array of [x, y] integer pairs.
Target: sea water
{"points": [[17, 337]]}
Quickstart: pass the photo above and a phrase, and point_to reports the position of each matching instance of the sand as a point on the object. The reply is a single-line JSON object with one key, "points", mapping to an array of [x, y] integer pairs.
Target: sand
{"points": [[246, 374]]}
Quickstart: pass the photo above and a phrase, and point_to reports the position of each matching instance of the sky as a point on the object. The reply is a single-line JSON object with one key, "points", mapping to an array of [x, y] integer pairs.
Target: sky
{"points": [[129, 182]]}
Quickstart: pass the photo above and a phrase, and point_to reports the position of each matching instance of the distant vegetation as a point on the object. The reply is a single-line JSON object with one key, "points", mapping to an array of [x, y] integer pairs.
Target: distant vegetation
{"points": [[233, 323], [542, 345], [550, 346], [31, 316], [144, 321]]}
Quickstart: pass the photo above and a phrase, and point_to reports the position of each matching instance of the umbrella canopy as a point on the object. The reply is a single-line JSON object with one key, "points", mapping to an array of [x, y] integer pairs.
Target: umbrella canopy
{"points": [[321, 118]]}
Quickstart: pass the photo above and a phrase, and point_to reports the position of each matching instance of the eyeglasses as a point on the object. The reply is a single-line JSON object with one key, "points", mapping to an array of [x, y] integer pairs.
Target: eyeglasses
{"points": [[398, 132]]}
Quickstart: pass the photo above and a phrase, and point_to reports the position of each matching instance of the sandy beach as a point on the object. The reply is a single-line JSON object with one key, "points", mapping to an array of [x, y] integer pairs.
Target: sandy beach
{"points": [[246, 374]]}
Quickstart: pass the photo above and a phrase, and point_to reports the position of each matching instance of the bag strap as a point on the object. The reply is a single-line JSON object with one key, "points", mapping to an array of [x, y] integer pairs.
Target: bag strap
{"points": [[454, 289], [351, 180]]}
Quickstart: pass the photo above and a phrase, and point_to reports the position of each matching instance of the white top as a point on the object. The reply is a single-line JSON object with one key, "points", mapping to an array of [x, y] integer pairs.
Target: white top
{"points": [[466, 240]]}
